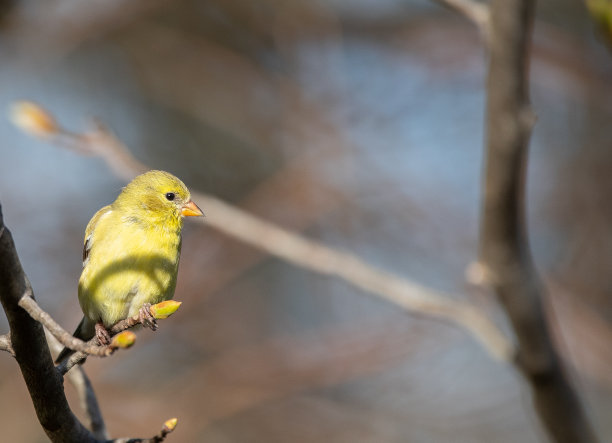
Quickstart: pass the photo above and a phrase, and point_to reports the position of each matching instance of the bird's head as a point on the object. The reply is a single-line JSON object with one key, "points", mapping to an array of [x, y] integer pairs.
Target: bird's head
{"points": [[158, 195]]}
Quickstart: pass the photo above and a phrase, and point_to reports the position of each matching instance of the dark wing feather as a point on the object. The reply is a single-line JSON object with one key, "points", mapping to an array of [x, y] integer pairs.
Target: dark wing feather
{"points": [[89, 231]]}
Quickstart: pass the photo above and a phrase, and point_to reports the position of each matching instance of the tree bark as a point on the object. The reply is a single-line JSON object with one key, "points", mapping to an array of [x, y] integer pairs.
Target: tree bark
{"points": [[504, 248]]}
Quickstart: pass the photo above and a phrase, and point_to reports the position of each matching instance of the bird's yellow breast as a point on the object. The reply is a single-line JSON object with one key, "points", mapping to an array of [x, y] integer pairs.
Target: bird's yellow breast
{"points": [[129, 263]]}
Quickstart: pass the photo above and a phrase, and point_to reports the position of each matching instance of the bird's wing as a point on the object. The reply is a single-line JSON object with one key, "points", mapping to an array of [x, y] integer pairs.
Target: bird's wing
{"points": [[89, 231]]}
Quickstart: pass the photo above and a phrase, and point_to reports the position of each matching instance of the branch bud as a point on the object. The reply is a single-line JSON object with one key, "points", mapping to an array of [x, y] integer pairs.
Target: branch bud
{"points": [[165, 309], [32, 119], [123, 340], [169, 425]]}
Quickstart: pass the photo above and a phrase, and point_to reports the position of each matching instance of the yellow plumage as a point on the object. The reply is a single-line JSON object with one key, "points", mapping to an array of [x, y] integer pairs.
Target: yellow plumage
{"points": [[131, 251]]}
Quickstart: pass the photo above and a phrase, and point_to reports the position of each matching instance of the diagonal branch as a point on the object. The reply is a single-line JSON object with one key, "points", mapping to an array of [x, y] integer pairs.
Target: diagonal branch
{"points": [[89, 402], [74, 359], [63, 336], [317, 257], [6, 345], [159, 311], [91, 347], [504, 249]]}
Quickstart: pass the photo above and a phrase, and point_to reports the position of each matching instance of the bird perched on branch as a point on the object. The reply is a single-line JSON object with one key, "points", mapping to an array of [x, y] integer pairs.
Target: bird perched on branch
{"points": [[131, 254]]}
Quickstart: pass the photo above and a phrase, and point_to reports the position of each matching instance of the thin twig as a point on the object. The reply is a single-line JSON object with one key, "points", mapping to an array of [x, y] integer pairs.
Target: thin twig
{"points": [[6, 345], [63, 336], [125, 324], [89, 402], [303, 252], [73, 360], [504, 248], [323, 259], [91, 347], [78, 357], [475, 11], [167, 428]]}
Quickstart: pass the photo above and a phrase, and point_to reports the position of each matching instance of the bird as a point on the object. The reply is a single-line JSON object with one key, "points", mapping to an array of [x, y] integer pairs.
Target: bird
{"points": [[131, 254]]}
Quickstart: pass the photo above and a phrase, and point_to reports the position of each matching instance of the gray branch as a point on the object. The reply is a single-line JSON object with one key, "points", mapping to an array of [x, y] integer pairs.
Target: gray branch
{"points": [[28, 303], [504, 248], [101, 351], [85, 392], [89, 402]]}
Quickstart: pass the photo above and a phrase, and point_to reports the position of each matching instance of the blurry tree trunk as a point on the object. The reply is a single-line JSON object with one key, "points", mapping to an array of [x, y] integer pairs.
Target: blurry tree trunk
{"points": [[504, 248]]}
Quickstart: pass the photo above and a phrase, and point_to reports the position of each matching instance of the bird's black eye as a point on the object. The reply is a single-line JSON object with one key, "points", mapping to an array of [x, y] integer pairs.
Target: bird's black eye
{"points": [[170, 196]]}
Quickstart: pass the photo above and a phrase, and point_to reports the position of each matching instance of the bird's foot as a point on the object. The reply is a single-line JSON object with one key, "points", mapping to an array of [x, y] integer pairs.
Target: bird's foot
{"points": [[146, 318], [102, 334]]}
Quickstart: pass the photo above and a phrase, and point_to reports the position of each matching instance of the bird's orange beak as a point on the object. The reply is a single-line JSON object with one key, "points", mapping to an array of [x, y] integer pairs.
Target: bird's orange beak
{"points": [[190, 209]]}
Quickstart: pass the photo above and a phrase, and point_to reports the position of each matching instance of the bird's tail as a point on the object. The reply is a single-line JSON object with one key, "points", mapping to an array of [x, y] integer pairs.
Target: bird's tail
{"points": [[84, 331]]}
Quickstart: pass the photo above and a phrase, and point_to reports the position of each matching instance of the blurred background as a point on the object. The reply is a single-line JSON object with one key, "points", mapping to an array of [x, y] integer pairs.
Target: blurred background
{"points": [[357, 123]]}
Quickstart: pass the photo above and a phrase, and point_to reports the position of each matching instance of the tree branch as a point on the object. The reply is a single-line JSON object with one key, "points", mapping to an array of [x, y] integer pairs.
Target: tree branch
{"points": [[6, 345], [74, 359], [476, 12], [167, 428], [317, 257], [285, 244], [504, 250], [91, 347], [32, 353], [78, 357], [85, 392], [63, 336], [89, 402]]}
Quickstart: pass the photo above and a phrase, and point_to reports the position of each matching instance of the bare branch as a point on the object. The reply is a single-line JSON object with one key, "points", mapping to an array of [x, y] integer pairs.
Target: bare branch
{"points": [[473, 10], [167, 428], [64, 337], [301, 251], [6, 345], [504, 249], [78, 357], [91, 347], [89, 402], [32, 353], [74, 359], [320, 258], [124, 324]]}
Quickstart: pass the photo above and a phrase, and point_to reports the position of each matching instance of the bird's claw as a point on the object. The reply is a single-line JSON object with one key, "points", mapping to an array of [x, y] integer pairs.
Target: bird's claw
{"points": [[102, 334], [146, 318]]}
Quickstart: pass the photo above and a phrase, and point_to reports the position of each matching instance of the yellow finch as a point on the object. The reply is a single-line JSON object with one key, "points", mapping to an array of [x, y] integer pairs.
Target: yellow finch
{"points": [[131, 254]]}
